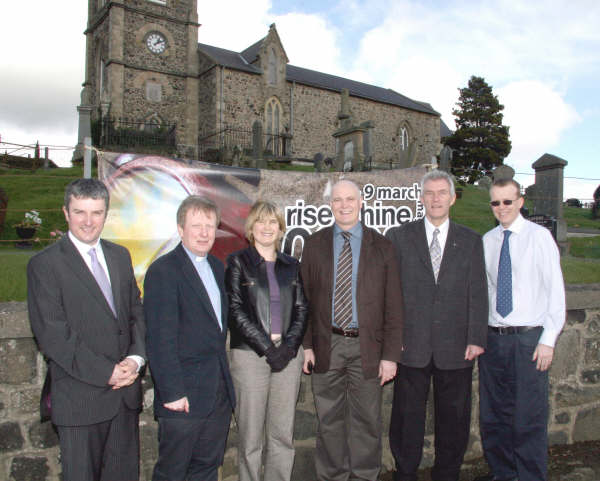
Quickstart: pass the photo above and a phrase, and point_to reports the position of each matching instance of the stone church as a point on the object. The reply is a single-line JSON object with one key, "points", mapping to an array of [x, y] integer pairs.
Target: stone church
{"points": [[143, 61]]}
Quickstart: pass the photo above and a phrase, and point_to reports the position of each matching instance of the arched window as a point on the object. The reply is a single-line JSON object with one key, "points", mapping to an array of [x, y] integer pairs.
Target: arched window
{"points": [[272, 125], [403, 138], [272, 72]]}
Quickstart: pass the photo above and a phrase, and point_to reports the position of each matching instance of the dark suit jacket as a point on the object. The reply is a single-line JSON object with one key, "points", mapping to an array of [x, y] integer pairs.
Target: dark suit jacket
{"points": [[79, 334], [441, 319], [379, 299], [186, 347]]}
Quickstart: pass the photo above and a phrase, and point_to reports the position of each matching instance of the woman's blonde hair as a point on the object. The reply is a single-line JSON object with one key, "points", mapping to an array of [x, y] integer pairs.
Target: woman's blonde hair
{"points": [[260, 210]]}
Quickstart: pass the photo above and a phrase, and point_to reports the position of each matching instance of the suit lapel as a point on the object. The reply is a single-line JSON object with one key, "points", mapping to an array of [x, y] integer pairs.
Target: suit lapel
{"points": [[218, 273], [77, 265], [194, 280], [327, 253], [449, 256], [421, 247]]}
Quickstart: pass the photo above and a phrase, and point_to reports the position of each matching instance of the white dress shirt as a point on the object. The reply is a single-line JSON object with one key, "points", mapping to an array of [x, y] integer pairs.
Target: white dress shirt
{"points": [[84, 250], [538, 289], [442, 236]]}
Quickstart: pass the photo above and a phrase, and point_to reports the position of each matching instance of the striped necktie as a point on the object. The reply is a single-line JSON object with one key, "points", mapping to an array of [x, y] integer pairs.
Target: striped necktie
{"points": [[342, 312], [435, 251]]}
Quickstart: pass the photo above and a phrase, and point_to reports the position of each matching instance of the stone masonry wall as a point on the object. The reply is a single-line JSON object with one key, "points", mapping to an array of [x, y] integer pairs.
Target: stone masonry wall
{"points": [[315, 116], [29, 450]]}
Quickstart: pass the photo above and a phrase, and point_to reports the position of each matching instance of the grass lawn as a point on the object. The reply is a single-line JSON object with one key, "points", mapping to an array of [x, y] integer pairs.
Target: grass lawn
{"points": [[576, 217], [13, 278], [588, 247], [41, 190], [580, 271]]}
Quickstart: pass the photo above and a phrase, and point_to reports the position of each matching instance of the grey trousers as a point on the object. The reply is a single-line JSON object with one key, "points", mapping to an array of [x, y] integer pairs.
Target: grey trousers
{"points": [[266, 407], [349, 413]]}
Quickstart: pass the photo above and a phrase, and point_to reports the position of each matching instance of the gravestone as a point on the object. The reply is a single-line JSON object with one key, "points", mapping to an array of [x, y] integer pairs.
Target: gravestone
{"points": [[549, 179], [504, 172], [258, 145], [318, 162], [596, 205], [3, 206]]}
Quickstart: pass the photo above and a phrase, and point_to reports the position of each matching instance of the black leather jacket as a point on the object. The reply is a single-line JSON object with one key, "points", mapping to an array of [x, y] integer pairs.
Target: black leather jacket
{"points": [[250, 304]]}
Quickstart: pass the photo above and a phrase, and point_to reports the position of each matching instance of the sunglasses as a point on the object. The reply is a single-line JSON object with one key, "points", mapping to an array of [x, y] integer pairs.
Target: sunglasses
{"points": [[496, 203]]}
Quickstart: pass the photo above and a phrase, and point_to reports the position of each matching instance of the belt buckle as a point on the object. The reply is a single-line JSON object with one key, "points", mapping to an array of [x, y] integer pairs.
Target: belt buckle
{"points": [[503, 331]]}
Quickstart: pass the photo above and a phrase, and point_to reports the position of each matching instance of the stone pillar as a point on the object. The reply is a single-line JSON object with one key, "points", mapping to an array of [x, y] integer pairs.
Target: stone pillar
{"points": [[85, 124], [549, 179], [257, 145]]}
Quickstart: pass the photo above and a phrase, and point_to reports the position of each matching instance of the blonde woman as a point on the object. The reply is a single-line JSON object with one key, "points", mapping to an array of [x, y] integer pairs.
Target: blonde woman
{"points": [[267, 319]]}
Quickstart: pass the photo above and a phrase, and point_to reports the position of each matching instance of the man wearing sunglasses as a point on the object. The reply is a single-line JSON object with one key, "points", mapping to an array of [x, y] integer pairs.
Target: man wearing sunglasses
{"points": [[527, 313]]}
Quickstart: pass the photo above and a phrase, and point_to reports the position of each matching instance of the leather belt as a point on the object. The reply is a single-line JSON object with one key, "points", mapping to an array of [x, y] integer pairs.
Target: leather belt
{"points": [[346, 333], [505, 330]]}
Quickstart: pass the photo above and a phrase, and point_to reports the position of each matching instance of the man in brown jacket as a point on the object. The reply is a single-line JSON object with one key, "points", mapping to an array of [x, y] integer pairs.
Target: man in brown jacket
{"points": [[354, 337]]}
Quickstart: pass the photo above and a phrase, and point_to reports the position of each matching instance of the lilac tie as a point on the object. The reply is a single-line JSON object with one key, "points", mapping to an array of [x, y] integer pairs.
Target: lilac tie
{"points": [[102, 280]]}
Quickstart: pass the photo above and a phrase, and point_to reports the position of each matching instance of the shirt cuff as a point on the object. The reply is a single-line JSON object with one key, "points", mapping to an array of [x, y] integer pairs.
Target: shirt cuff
{"points": [[548, 337], [139, 360]]}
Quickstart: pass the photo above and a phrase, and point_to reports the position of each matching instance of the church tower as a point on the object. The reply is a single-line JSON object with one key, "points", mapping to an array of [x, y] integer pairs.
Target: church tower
{"points": [[142, 64]]}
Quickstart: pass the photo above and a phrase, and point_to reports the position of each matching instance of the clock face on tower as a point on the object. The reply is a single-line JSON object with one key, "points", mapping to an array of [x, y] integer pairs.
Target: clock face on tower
{"points": [[156, 42]]}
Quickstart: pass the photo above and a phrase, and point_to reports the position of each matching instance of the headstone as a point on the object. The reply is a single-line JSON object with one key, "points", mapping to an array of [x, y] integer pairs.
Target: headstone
{"points": [[348, 156], [485, 182], [318, 162], [504, 172], [3, 206], [549, 172], [596, 205], [445, 159]]}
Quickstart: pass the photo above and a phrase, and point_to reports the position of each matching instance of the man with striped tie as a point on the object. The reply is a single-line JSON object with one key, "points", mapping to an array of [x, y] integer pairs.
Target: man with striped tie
{"points": [[353, 337], [445, 322]]}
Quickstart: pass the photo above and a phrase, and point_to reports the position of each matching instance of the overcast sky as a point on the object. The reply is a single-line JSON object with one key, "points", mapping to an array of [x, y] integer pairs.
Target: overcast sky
{"points": [[542, 58]]}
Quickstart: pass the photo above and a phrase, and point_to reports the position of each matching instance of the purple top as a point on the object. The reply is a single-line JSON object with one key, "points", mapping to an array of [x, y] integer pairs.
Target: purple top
{"points": [[274, 295]]}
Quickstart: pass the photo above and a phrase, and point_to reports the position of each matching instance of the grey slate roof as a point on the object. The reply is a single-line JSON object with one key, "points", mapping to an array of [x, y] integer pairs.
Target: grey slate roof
{"points": [[312, 78], [444, 129], [228, 58]]}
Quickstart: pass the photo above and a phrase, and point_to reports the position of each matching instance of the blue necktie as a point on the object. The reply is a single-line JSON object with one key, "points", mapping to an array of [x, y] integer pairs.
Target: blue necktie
{"points": [[504, 304]]}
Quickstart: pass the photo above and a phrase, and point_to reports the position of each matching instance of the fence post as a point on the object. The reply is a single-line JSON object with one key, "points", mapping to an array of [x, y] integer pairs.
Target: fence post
{"points": [[87, 157]]}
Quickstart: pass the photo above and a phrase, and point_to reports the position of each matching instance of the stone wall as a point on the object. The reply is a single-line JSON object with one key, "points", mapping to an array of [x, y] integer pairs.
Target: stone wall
{"points": [[29, 450], [314, 117]]}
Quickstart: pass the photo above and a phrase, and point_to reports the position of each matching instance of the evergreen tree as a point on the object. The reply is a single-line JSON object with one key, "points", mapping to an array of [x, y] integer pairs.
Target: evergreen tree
{"points": [[480, 142]]}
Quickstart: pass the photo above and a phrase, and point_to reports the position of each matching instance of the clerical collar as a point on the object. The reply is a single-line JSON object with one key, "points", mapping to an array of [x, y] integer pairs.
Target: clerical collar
{"points": [[193, 257]]}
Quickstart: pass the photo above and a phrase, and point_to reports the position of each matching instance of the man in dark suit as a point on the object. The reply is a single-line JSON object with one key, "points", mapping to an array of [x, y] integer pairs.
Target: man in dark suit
{"points": [[86, 314], [354, 330], [445, 315], [186, 308]]}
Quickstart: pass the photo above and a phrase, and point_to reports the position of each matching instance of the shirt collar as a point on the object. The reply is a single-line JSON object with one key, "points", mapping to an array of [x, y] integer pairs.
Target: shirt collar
{"points": [[515, 227], [82, 247], [443, 228], [356, 231], [193, 257]]}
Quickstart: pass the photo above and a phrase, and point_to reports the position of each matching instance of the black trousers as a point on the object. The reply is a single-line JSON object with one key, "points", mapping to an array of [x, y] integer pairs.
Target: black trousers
{"points": [[452, 407], [191, 448], [513, 397], [107, 451]]}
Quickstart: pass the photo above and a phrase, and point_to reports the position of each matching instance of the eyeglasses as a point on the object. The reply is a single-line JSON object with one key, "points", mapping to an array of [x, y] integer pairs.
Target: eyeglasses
{"points": [[496, 203]]}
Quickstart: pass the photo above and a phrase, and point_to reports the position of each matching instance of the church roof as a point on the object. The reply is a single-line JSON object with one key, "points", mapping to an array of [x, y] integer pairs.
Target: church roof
{"points": [[242, 61], [228, 58], [444, 129]]}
